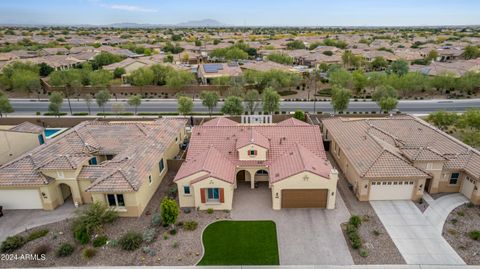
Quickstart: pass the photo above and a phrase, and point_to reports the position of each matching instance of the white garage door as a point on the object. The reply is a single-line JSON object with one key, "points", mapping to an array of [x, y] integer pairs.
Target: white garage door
{"points": [[20, 199], [391, 190], [468, 186]]}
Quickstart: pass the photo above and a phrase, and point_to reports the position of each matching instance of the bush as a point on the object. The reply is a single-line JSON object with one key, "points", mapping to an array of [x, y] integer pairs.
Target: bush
{"points": [[91, 220], [37, 234], [156, 220], [355, 221], [461, 213], [363, 253], [41, 249], [130, 241], [100, 241], [80, 114], [149, 251], [165, 236], [88, 253], [175, 244], [173, 231], [190, 225], [65, 250], [470, 205], [82, 235], [149, 235], [475, 235], [210, 211], [12, 243]]}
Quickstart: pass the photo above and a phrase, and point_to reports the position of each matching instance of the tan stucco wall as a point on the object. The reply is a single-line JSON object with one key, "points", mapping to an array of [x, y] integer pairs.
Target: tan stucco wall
{"points": [[305, 180], [187, 200], [435, 171], [14, 144], [213, 183], [444, 184], [243, 153]]}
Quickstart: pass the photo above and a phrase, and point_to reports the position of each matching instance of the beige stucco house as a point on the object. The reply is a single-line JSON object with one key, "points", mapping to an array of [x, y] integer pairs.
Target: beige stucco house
{"points": [[121, 164], [287, 157], [400, 158], [18, 139]]}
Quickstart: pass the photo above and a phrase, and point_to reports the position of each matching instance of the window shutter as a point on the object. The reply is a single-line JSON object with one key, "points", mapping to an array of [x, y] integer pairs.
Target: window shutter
{"points": [[221, 196], [202, 195], [255, 152]]}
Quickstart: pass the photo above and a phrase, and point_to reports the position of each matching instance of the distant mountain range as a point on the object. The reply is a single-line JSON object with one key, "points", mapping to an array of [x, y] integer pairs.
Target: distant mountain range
{"points": [[196, 23]]}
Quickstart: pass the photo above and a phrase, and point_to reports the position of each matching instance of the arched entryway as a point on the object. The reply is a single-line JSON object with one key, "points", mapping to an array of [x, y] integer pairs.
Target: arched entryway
{"points": [[65, 193], [243, 176]]}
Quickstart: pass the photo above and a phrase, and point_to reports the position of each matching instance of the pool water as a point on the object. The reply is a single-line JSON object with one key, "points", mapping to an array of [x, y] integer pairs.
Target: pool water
{"points": [[51, 132]]}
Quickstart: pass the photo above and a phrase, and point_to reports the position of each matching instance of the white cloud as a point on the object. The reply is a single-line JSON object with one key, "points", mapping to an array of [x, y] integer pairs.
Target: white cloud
{"points": [[129, 8]]}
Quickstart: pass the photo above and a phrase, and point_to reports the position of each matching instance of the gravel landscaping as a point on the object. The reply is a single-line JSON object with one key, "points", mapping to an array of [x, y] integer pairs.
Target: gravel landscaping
{"points": [[184, 248], [460, 222], [374, 236], [422, 205]]}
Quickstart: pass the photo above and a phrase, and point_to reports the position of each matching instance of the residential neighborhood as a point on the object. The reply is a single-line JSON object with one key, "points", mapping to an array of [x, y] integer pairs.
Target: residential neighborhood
{"points": [[234, 134]]}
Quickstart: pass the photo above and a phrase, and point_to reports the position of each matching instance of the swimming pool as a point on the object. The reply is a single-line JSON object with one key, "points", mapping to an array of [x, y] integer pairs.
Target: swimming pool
{"points": [[52, 132]]}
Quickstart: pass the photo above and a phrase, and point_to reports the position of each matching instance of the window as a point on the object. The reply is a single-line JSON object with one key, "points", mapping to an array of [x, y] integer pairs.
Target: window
{"points": [[161, 165], [149, 179], [92, 161], [252, 153], [261, 173], [41, 140], [60, 174], [454, 178], [429, 166], [213, 195], [115, 200], [186, 190], [109, 157]]}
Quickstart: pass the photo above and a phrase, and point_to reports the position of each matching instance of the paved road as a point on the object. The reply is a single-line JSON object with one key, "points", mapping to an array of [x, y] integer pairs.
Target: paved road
{"points": [[30, 107], [416, 235], [305, 236]]}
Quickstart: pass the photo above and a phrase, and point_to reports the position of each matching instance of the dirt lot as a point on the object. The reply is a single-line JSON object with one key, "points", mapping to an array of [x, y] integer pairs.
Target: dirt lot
{"points": [[184, 248], [460, 222], [381, 249]]}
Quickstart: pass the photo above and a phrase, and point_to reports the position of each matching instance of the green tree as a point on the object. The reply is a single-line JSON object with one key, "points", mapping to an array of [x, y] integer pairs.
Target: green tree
{"points": [[70, 79], [185, 105], [141, 77], [360, 81], [299, 115], [340, 99], [5, 106], [375, 80], [399, 67], [295, 45], [160, 73], [56, 102], [105, 58], [88, 101], [102, 97], [270, 101], [25, 81], [378, 63], [251, 99], [232, 106], [280, 58], [384, 91], [135, 101], [431, 56], [471, 52], [340, 77], [388, 103], [443, 119], [471, 120], [169, 211], [209, 100], [118, 72], [179, 79], [45, 69], [100, 78], [443, 82]]}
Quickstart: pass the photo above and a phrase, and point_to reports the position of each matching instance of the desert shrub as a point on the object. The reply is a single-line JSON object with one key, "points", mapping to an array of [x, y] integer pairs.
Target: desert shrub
{"points": [[376, 233], [156, 220], [37, 234], [475, 235], [130, 241], [470, 205], [190, 225], [355, 240], [41, 249], [100, 241], [91, 220], [173, 231], [88, 253], [461, 213], [165, 236], [65, 250], [175, 244], [355, 220], [363, 252], [149, 251], [12, 243], [454, 221], [210, 211], [149, 235]]}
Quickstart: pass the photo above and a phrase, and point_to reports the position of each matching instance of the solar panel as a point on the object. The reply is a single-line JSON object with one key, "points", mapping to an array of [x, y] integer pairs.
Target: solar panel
{"points": [[212, 68]]}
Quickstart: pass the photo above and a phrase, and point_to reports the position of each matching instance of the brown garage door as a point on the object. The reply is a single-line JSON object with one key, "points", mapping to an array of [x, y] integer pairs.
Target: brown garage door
{"points": [[304, 198]]}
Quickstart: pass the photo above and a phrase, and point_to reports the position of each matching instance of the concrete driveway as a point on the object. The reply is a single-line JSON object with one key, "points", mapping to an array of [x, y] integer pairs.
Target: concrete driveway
{"points": [[418, 236], [305, 236], [16, 221]]}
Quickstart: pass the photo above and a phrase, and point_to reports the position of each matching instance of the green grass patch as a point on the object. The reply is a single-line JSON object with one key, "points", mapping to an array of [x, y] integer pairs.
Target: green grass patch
{"points": [[240, 243]]}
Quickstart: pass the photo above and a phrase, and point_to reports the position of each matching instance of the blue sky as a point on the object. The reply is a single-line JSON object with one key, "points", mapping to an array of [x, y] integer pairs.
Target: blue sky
{"points": [[244, 12]]}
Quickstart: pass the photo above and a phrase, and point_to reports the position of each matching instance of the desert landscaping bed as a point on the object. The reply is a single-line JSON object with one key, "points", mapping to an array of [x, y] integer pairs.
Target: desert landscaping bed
{"points": [[462, 221], [374, 237], [183, 248]]}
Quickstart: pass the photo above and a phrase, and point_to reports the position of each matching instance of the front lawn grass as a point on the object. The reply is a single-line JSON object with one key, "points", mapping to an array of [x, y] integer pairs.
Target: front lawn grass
{"points": [[240, 243]]}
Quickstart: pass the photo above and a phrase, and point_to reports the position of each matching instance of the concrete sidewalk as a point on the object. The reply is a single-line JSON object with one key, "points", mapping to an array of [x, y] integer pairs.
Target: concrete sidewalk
{"points": [[418, 236]]}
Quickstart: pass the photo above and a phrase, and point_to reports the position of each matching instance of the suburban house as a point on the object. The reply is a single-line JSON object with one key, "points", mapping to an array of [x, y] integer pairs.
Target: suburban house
{"points": [[18, 139], [118, 163], [401, 157], [207, 72], [288, 157]]}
